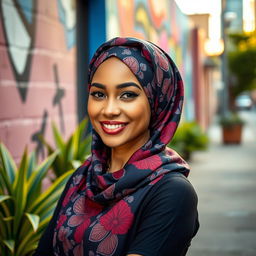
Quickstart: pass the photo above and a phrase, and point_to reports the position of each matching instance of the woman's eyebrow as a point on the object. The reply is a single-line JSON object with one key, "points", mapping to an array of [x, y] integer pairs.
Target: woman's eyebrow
{"points": [[101, 86], [120, 86], [124, 85]]}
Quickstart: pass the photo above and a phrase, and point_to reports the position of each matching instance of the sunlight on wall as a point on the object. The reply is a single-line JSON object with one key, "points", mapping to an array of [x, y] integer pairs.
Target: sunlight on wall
{"points": [[249, 15]]}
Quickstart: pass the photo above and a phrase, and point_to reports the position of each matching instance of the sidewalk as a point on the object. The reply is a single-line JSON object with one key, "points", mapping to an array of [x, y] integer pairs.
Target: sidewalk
{"points": [[225, 180]]}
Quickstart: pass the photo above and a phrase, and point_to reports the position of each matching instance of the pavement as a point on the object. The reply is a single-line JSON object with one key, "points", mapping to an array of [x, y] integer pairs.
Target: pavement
{"points": [[224, 177]]}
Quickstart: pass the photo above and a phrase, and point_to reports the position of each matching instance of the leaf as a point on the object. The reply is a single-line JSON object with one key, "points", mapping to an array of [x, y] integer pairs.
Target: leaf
{"points": [[68, 153], [30, 247], [7, 170], [75, 141], [30, 239], [50, 149], [34, 183], [58, 139], [5, 206], [50, 196], [24, 239], [43, 206], [84, 145], [31, 164], [8, 218], [10, 245], [7, 162], [78, 136], [85, 148], [76, 163], [3, 227], [20, 191], [34, 220], [58, 165], [4, 197]]}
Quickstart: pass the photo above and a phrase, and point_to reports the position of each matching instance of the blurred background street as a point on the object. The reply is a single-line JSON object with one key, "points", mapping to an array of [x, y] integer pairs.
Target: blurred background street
{"points": [[225, 177]]}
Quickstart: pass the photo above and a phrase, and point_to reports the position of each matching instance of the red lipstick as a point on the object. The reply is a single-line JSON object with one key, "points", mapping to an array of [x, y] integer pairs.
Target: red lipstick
{"points": [[112, 127]]}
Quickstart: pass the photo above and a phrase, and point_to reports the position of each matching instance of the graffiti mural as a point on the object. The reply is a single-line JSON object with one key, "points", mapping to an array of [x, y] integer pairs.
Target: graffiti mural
{"points": [[67, 16], [37, 71], [41, 132], [159, 21], [18, 20], [149, 19], [57, 100]]}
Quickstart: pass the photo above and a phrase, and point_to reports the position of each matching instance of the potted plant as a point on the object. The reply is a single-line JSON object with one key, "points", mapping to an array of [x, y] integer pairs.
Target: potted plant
{"points": [[242, 78], [232, 125]]}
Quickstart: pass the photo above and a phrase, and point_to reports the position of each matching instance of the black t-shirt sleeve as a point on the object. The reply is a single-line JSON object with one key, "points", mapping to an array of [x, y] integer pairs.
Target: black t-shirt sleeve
{"points": [[169, 219]]}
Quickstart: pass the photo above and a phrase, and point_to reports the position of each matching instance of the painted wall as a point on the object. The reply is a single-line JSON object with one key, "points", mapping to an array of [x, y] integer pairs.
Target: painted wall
{"points": [[37, 71], [161, 22]]}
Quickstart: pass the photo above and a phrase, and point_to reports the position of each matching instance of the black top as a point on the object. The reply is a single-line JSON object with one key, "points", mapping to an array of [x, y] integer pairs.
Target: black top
{"points": [[164, 225]]}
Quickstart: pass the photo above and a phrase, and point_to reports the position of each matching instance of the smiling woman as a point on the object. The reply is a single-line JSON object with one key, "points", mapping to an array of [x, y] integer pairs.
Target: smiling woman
{"points": [[131, 196]]}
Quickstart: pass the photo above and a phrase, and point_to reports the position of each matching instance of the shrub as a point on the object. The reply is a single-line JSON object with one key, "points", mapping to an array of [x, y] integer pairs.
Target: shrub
{"points": [[24, 209], [188, 138]]}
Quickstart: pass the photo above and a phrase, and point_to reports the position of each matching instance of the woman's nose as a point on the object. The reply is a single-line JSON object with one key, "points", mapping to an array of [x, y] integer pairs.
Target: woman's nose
{"points": [[111, 108]]}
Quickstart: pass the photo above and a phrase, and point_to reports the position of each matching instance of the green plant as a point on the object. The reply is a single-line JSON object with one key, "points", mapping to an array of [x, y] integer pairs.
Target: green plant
{"points": [[188, 138], [242, 66], [231, 119], [73, 152], [24, 209], [242, 59]]}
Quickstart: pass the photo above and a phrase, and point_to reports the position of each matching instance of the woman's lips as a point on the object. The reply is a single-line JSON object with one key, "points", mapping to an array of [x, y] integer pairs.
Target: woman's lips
{"points": [[113, 127]]}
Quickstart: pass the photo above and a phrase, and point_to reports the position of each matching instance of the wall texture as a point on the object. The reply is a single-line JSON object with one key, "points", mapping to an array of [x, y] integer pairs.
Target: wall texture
{"points": [[37, 71]]}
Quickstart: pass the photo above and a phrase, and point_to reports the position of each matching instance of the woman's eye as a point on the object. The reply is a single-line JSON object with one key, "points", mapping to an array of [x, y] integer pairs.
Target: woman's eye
{"points": [[129, 95], [98, 95]]}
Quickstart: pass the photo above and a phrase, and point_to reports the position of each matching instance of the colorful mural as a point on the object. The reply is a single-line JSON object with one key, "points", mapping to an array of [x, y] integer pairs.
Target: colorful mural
{"points": [[37, 71], [18, 22], [159, 21], [67, 16]]}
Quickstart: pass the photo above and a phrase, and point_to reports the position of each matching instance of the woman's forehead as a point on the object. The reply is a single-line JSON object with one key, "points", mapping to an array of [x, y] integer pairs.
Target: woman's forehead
{"points": [[114, 71]]}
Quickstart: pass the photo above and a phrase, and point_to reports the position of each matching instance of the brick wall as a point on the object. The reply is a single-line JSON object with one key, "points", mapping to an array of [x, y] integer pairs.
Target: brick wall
{"points": [[37, 71]]}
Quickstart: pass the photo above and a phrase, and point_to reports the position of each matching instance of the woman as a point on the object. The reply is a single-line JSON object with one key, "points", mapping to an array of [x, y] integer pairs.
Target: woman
{"points": [[131, 196]]}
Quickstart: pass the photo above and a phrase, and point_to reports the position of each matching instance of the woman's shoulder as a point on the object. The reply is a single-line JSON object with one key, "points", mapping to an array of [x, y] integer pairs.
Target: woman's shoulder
{"points": [[173, 189], [174, 181]]}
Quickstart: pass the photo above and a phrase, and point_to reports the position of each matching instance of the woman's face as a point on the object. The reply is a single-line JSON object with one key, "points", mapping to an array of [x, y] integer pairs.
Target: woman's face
{"points": [[118, 106]]}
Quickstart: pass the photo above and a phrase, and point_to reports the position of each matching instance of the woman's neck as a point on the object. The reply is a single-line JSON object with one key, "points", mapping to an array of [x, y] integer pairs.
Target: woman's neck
{"points": [[121, 155], [118, 160]]}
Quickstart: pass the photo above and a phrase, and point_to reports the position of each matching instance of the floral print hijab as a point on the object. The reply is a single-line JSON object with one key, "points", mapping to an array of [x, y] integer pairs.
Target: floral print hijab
{"points": [[98, 208]]}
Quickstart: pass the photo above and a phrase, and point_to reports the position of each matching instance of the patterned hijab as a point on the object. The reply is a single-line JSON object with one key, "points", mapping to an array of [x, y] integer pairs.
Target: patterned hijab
{"points": [[92, 184], [163, 86]]}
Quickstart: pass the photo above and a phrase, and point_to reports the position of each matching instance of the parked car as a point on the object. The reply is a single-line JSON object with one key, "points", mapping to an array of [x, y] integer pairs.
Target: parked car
{"points": [[243, 101]]}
